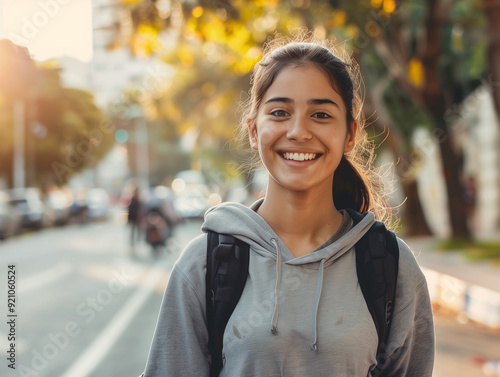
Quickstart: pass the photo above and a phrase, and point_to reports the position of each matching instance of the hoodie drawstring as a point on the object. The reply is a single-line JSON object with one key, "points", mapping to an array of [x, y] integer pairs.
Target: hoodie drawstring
{"points": [[274, 321], [317, 296]]}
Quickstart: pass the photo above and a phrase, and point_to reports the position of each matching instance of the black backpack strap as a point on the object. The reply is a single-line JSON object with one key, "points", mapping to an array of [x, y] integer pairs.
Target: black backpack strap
{"points": [[377, 262], [227, 272]]}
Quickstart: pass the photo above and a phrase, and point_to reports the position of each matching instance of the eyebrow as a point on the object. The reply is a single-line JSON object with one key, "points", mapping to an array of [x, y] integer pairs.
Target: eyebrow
{"points": [[313, 101]]}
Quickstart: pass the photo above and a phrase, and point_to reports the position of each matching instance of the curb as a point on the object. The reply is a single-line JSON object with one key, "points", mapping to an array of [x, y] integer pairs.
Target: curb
{"points": [[474, 302]]}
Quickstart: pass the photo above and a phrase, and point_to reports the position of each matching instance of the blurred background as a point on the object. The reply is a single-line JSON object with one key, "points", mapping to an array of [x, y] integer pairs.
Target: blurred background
{"points": [[118, 121]]}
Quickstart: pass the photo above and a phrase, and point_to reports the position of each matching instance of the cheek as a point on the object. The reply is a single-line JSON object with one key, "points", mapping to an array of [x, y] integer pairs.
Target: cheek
{"points": [[267, 136]]}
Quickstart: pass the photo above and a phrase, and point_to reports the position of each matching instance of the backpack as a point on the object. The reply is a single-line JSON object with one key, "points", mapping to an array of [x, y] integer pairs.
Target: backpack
{"points": [[377, 256]]}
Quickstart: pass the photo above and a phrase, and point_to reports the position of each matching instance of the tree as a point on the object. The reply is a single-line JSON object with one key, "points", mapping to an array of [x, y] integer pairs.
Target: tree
{"points": [[65, 132], [434, 80], [492, 14], [424, 46]]}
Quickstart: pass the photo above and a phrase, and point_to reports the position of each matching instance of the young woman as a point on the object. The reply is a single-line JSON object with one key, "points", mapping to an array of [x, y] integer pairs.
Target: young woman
{"points": [[302, 312]]}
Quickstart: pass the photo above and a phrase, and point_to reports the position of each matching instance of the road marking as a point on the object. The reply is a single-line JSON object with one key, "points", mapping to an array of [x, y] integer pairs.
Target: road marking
{"points": [[98, 349], [45, 277]]}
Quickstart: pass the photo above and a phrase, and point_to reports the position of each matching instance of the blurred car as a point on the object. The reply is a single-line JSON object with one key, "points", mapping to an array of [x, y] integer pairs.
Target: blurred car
{"points": [[10, 218], [59, 202], [189, 177], [28, 201], [191, 203], [97, 204], [78, 207], [191, 194]]}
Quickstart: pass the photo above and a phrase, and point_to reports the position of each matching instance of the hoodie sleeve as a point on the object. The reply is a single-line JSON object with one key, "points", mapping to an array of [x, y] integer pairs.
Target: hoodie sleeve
{"points": [[179, 346], [410, 349]]}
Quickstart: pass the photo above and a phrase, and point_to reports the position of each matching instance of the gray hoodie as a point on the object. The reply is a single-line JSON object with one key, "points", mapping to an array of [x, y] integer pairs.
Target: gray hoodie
{"points": [[302, 316]]}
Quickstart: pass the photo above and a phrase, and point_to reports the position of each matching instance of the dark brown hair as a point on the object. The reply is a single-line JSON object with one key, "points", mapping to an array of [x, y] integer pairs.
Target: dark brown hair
{"points": [[356, 183]]}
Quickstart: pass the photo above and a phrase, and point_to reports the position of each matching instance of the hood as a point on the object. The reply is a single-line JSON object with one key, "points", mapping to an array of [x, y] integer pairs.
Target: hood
{"points": [[247, 225]]}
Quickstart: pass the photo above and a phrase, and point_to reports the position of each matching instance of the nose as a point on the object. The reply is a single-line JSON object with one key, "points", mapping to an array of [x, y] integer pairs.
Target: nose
{"points": [[299, 129]]}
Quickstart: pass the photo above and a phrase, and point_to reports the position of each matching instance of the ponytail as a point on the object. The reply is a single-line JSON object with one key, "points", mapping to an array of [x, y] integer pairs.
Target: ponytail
{"points": [[349, 188]]}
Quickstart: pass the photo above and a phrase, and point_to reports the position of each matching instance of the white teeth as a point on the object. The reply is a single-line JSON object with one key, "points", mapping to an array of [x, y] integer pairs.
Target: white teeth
{"points": [[299, 156]]}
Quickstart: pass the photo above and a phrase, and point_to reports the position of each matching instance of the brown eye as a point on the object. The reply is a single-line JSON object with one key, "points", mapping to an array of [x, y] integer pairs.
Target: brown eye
{"points": [[279, 113], [321, 115]]}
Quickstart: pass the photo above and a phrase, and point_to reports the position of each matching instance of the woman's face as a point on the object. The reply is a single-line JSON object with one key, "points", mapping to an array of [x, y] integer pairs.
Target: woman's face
{"points": [[301, 130]]}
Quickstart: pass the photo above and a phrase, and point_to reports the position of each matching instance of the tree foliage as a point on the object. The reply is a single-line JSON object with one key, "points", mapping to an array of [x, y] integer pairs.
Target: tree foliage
{"points": [[420, 57], [65, 132]]}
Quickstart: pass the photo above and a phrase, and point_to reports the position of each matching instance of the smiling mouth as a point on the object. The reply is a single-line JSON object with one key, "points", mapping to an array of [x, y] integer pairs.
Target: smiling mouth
{"points": [[300, 156]]}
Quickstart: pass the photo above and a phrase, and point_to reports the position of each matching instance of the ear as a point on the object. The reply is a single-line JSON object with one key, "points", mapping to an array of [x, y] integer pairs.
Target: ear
{"points": [[252, 134], [350, 140]]}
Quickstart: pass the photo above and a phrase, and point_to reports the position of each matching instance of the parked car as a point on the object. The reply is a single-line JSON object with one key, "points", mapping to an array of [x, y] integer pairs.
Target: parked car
{"points": [[191, 203], [59, 202], [97, 204], [191, 194], [78, 208], [10, 218], [191, 177], [28, 201]]}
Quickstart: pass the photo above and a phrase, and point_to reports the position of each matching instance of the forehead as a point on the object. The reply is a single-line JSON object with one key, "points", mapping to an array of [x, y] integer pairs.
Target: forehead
{"points": [[303, 83]]}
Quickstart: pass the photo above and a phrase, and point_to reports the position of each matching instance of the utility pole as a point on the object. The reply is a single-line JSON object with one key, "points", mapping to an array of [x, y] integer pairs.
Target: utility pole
{"points": [[18, 173], [135, 113], [141, 142]]}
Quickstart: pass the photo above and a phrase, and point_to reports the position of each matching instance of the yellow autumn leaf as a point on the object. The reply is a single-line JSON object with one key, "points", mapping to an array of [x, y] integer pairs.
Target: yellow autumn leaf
{"points": [[185, 55], [238, 38], [376, 3], [146, 40], [415, 72], [389, 6], [271, 4], [214, 29], [351, 31], [192, 25], [339, 18], [259, 3], [197, 12]]}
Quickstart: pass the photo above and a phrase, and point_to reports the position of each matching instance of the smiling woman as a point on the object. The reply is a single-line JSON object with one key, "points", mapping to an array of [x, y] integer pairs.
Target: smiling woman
{"points": [[317, 256], [49, 28]]}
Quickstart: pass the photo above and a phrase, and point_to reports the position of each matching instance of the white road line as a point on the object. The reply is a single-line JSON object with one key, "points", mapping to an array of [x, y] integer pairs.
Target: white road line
{"points": [[99, 348], [44, 277]]}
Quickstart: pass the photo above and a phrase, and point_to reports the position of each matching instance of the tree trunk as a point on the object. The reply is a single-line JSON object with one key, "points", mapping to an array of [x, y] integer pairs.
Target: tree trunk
{"points": [[492, 13], [414, 218], [434, 97]]}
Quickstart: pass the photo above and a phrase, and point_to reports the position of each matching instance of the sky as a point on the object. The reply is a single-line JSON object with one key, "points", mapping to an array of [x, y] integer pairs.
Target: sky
{"points": [[49, 28]]}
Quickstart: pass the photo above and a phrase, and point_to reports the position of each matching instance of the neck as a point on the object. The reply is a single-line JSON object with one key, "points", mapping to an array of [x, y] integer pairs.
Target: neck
{"points": [[306, 218]]}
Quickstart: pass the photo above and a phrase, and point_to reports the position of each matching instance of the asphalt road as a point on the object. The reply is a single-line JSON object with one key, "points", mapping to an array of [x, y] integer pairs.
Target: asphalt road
{"points": [[86, 308]]}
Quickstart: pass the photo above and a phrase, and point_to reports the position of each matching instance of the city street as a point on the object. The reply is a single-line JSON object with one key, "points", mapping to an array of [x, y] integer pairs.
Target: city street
{"points": [[85, 307]]}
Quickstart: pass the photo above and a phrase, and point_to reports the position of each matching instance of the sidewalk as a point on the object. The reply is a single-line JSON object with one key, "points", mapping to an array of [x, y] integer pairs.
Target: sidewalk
{"points": [[468, 288]]}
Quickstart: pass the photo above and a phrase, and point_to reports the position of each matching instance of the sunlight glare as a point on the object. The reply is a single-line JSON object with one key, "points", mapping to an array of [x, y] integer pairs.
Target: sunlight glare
{"points": [[49, 28]]}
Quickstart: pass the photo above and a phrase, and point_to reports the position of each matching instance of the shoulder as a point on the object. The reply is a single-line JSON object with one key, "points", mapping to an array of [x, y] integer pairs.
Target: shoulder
{"points": [[409, 268], [411, 281], [194, 252], [192, 262], [411, 338]]}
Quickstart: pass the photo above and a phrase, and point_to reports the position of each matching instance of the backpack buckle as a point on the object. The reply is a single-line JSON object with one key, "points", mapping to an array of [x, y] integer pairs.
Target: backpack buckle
{"points": [[388, 312]]}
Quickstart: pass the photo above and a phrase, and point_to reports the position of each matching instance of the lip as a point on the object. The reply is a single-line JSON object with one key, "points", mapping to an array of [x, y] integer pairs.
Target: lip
{"points": [[298, 150]]}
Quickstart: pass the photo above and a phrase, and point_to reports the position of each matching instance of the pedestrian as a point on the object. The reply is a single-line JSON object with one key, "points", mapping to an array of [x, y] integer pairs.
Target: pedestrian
{"points": [[135, 209], [301, 312]]}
